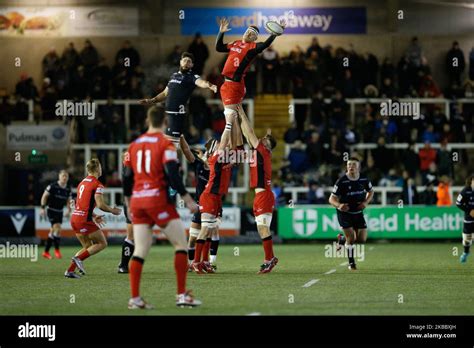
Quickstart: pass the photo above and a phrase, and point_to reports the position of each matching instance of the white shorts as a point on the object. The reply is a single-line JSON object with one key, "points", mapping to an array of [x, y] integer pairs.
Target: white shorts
{"points": [[264, 219]]}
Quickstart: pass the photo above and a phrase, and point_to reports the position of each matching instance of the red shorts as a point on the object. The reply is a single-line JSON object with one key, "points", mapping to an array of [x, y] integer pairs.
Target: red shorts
{"points": [[83, 227], [263, 203], [159, 214], [232, 92], [210, 203]]}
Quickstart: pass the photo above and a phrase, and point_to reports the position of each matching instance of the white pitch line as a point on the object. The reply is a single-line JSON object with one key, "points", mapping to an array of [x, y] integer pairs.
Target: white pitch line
{"points": [[330, 271], [344, 263], [254, 313], [311, 282]]}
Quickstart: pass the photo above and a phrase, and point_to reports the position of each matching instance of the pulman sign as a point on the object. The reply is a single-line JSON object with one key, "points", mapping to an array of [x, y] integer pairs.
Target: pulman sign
{"points": [[313, 20], [29, 137], [316, 222]]}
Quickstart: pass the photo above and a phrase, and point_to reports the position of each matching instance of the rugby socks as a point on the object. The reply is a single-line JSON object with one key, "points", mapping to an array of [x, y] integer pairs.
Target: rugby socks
{"points": [[181, 268], [191, 254], [82, 256], [214, 247], [128, 246], [198, 251], [136, 266], [205, 250], [56, 242], [350, 253], [467, 248], [268, 247], [49, 243]]}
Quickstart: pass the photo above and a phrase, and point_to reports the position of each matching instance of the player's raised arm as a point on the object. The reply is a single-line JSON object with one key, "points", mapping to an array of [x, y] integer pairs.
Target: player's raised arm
{"points": [[156, 99], [206, 84], [223, 27], [226, 135], [249, 134], [263, 45], [186, 149]]}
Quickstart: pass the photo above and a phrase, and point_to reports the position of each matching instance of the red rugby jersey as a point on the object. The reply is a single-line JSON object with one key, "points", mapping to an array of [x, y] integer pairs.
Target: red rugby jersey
{"points": [[85, 200], [241, 55], [147, 157], [219, 176], [261, 168]]}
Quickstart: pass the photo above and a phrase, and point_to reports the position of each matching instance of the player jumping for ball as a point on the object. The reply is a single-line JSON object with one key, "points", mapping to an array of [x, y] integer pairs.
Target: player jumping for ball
{"points": [[261, 181], [85, 223], [155, 167], [350, 196], [55, 196], [241, 54], [202, 171], [177, 93], [465, 202]]}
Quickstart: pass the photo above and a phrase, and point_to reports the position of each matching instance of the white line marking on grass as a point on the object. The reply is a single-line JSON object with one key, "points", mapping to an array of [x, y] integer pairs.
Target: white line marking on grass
{"points": [[344, 263], [330, 271], [311, 282], [254, 313]]}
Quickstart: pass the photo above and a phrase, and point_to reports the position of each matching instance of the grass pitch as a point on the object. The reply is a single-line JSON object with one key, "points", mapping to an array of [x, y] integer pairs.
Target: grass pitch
{"points": [[394, 279]]}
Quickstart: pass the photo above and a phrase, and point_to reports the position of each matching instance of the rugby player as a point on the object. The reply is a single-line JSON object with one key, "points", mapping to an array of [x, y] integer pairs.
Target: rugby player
{"points": [[238, 62], [155, 166], [128, 245], [352, 193], [465, 202], [55, 196], [85, 223], [202, 170], [210, 201], [261, 182], [176, 94]]}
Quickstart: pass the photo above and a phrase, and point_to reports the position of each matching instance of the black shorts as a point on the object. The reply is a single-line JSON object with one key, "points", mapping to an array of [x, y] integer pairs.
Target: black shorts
{"points": [[468, 228], [176, 125], [347, 220], [197, 217], [125, 212], [55, 217]]}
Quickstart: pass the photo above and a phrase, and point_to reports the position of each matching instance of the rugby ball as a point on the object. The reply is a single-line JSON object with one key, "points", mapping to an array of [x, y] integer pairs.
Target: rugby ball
{"points": [[274, 28]]}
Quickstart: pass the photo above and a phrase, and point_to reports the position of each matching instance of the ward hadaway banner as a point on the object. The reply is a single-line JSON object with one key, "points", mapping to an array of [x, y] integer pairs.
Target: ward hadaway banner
{"points": [[316, 222], [307, 20]]}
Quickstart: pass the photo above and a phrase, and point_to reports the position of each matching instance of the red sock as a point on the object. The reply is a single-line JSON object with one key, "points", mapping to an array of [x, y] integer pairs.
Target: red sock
{"points": [[181, 268], [268, 248], [135, 269], [72, 267], [84, 255], [205, 250], [198, 251]]}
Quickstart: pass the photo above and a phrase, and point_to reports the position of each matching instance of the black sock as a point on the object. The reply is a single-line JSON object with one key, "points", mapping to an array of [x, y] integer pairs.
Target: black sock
{"points": [[350, 254], [127, 252], [191, 254], [56, 242], [466, 249], [49, 243], [214, 247]]}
